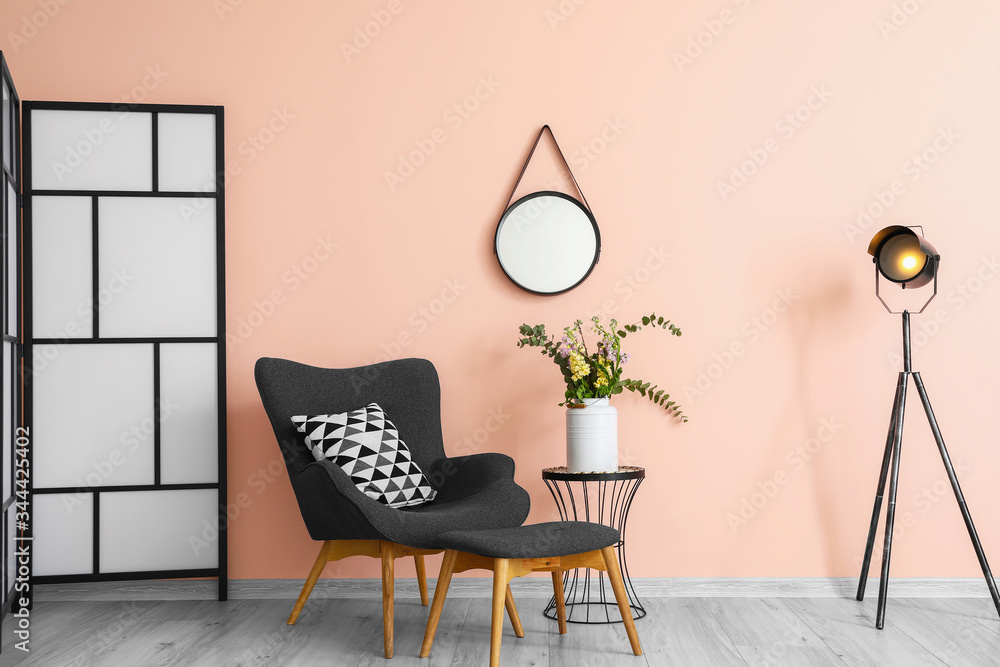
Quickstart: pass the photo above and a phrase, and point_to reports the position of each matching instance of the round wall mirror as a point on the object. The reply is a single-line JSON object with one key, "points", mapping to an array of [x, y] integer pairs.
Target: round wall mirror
{"points": [[547, 242]]}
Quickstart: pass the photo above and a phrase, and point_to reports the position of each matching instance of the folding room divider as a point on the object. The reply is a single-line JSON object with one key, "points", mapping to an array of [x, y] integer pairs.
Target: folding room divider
{"points": [[123, 319], [12, 503]]}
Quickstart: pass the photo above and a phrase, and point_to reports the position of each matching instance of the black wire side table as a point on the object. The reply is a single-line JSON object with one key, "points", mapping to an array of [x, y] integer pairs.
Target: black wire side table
{"points": [[587, 598]]}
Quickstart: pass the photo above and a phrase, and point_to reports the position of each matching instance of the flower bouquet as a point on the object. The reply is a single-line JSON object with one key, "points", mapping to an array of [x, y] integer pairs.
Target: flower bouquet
{"points": [[598, 374]]}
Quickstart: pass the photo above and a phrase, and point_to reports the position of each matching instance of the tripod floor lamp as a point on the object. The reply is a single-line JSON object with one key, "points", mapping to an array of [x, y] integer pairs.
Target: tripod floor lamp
{"points": [[904, 258]]}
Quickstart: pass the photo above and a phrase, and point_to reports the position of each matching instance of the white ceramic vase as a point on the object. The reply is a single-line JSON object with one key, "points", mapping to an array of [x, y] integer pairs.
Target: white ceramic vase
{"points": [[592, 437]]}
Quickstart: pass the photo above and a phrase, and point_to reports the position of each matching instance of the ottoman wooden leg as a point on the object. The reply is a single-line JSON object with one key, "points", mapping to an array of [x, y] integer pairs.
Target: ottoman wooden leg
{"points": [[501, 577], [515, 620], [421, 578], [618, 586], [524, 547], [557, 589], [440, 591]]}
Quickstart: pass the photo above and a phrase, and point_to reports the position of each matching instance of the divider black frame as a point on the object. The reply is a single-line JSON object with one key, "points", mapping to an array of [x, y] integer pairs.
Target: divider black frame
{"points": [[10, 180], [218, 194]]}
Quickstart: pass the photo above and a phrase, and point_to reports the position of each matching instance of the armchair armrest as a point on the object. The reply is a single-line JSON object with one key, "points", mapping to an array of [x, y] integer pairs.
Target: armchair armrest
{"points": [[462, 476], [333, 507]]}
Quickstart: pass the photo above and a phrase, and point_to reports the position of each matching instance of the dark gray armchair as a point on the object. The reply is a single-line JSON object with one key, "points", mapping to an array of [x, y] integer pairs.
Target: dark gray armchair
{"points": [[476, 491]]}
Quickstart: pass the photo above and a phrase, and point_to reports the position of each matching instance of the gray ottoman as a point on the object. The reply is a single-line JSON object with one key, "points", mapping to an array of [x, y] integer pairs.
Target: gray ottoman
{"points": [[514, 552]]}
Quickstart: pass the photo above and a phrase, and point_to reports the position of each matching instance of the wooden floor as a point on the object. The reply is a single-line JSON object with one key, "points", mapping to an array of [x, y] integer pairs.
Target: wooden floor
{"points": [[681, 632]]}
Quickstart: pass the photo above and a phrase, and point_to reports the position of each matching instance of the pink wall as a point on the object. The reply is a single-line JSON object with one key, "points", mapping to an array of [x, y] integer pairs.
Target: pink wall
{"points": [[846, 97]]}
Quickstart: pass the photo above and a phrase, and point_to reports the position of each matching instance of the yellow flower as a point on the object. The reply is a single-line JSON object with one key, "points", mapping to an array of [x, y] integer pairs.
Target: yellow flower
{"points": [[579, 366]]}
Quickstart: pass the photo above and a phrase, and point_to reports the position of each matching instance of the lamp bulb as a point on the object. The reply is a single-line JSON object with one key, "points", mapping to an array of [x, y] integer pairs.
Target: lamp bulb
{"points": [[909, 262]]}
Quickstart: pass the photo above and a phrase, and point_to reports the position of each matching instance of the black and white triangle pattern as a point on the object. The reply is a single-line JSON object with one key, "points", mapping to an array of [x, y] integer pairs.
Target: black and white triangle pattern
{"points": [[366, 445]]}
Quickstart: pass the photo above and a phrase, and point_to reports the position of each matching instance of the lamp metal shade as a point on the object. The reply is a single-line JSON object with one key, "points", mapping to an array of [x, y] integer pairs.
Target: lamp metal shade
{"points": [[904, 257]]}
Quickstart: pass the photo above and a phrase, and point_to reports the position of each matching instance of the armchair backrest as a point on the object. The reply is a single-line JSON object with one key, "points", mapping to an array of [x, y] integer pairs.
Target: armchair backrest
{"points": [[407, 389]]}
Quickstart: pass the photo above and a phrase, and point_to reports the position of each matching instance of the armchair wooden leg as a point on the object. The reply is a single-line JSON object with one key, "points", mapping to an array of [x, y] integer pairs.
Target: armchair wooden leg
{"points": [[557, 589], [421, 578], [501, 577], [317, 569], [618, 586], [515, 620], [388, 584], [440, 591]]}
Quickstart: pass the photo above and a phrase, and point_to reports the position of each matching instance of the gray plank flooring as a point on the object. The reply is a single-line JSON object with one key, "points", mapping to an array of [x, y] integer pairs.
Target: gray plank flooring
{"points": [[679, 631]]}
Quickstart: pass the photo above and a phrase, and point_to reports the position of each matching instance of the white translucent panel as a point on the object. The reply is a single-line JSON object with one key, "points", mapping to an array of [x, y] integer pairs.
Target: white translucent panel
{"points": [[91, 150], [189, 414], [62, 260], [93, 416], [12, 282], [4, 213], [63, 526], [186, 150], [159, 530], [3, 274], [157, 256], [7, 127], [8, 419]]}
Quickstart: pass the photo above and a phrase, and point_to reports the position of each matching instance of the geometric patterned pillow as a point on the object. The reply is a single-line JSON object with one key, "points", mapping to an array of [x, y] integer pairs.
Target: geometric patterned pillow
{"points": [[366, 445]]}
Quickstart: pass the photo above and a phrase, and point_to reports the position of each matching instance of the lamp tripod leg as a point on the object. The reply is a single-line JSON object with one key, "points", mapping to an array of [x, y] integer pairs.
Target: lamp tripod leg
{"points": [[890, 513], [990, 583], [879, 492]]}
